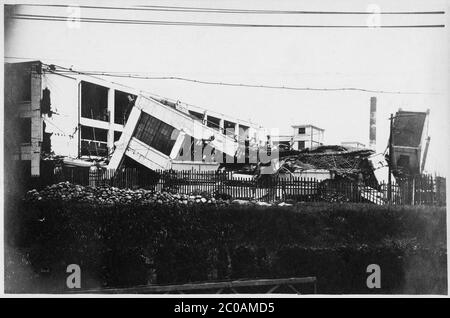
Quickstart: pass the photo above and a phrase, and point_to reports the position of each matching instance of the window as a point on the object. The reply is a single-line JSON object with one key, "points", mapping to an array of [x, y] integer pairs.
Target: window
{"points": [[94, 101], [196, 115], [25, 130], [117, 135], [94, 141], [213, 122], [301, 144], [123, 103], [156, 133], [92, 133], [301, 131], [93, 148], [229, 128]]}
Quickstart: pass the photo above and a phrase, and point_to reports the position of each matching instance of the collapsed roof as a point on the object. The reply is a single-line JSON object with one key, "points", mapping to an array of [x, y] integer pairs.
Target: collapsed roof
{"points": [[408, 128], [343, 161]]}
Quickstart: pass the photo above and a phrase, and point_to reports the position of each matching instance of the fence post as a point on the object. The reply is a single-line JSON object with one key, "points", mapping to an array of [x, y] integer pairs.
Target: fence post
{"points": [[432, 189]]}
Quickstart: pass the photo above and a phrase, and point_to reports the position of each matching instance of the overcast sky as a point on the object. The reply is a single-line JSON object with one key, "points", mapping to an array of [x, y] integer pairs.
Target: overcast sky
{"points": [[407, 59]]}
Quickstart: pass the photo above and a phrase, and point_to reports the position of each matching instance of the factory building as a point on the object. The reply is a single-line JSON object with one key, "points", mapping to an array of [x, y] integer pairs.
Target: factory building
{"points": [[54, 112], [410, 142], [302, 137]]}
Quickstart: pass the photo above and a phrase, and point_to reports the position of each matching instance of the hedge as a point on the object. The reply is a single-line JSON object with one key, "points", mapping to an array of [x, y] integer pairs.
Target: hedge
{"points": [[166, 244]]}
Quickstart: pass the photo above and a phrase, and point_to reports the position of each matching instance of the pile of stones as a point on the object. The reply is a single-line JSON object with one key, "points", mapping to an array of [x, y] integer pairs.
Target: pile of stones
{"points": [[334, 198], [105, 195]]}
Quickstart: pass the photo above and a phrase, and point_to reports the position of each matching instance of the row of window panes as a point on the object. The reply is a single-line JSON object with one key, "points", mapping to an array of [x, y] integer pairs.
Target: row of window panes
{"points": [[94, 103], [156, 133], [93, 148]]}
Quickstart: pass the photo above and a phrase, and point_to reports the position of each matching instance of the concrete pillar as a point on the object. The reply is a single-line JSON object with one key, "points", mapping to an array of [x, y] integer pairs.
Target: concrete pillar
{"points": [[373, 123], [177, 146], [36, 119], [221, 125], [111, 100], [205, 118]]}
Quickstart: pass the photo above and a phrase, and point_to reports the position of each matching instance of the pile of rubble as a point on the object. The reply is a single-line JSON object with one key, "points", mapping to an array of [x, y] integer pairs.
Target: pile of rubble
{"points": [[334, 198], [335, 158], [108, 196], [65, 191]]}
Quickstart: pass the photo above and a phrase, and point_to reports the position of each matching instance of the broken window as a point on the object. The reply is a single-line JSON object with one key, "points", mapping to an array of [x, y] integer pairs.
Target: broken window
{"points": [[213, 122], [94, 141], [196, 115], [156, 133], [229, 128], [301, 131], [25, 130], [93, 133], [117, 135], [94, 101], [123, 103]]}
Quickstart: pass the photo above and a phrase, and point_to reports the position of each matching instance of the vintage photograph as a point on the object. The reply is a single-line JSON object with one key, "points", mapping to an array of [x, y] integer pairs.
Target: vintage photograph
{"points": [[225, 147]]}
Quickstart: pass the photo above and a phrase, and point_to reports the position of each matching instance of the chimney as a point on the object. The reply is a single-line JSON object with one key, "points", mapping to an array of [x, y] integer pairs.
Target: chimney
{"points": [[373, 123]]}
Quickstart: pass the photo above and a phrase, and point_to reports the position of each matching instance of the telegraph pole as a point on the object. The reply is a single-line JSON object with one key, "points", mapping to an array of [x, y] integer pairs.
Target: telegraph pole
{"points": [[390, 162]]}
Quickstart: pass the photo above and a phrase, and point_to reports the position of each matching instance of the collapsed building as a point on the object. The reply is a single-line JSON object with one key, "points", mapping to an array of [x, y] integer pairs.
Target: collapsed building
{"points": [[353, 162], [162, 138], [410, 142], [340, 161], [57, 114], [77, 120]]}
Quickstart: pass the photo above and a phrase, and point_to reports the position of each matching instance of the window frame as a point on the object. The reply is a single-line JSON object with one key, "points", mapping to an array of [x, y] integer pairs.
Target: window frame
{"points": [[155, 133]]}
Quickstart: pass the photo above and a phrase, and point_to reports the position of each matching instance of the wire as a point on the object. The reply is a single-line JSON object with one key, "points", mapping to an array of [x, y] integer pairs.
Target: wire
{"points": [[135, 76], [204, 109], [33, 17], [231, 11]]}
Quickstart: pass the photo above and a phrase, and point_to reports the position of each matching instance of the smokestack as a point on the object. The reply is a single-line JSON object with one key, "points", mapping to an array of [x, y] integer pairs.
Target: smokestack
{"points": [[373, 123]]}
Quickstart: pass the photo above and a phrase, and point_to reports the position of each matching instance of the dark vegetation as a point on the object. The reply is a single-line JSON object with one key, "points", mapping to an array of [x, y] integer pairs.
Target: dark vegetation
{"points": [[129, 245]]}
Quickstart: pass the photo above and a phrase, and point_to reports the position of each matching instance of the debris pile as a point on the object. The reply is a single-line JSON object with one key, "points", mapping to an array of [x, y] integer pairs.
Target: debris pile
{"points": [[345, 162], [65, 191], [108, 196], [335, 158], [334, 197]]}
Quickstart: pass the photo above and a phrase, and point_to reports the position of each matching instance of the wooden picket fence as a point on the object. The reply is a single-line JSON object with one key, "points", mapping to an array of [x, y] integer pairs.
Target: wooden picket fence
{"points": [[422, 190]]}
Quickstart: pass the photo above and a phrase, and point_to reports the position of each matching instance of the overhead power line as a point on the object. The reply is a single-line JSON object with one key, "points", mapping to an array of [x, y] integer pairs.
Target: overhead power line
{"points": [[154, 95], [233, 11], [266, 11], [177, 78], [64, 70], [205, 24]]}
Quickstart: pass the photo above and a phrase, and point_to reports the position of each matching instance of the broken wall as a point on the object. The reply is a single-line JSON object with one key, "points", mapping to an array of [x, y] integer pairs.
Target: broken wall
{"points": [[62, 120]]}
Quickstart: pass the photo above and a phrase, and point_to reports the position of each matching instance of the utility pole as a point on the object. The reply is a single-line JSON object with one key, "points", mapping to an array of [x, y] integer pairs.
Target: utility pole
{"points": [[389, 190]]}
